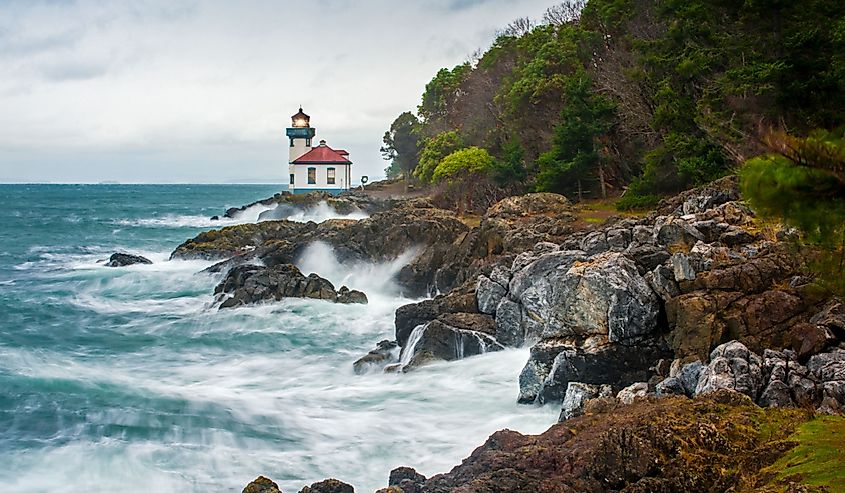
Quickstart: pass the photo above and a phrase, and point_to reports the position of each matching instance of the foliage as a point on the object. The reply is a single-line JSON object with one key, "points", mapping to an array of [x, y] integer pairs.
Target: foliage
{"points": [[510, 168], [575, 154], [401, 145], [804, 185], [463, 162], [441, 92], [434, 150], [660, 95]]}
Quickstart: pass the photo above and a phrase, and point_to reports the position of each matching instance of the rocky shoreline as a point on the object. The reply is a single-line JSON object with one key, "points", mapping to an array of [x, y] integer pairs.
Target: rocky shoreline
{"points": [[696, 300]]}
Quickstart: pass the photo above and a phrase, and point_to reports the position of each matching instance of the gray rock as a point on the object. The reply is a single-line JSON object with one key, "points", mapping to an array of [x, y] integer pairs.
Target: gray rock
{"points": [[509, 328], [385, 353], [681, 268], [603, 296], [124, 259], [632, 392], [595, 243], [670, 386], [618, 239], [642, 235], [488, 294], [537, 368], [827, 367], [776, 394], [608, 363], [676, 231], [833, 397], [400, 474], [689, 375], [440, 341], [804, 391], [734, 235], [577, 394], [732, 366], [501, 275], [662, 281]]}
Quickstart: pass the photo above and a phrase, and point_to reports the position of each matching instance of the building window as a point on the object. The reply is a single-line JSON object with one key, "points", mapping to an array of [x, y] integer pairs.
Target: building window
{"points": [[291, 178], [312, 176], [308, 142], [291, 142], [330, 176]]}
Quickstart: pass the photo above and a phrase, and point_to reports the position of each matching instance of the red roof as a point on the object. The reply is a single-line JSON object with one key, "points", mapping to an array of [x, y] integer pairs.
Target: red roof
{"points": [[323, 154]]}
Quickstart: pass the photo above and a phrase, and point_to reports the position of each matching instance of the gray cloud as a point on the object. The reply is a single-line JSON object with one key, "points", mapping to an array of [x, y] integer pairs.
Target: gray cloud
{"points": [[205, 89]]}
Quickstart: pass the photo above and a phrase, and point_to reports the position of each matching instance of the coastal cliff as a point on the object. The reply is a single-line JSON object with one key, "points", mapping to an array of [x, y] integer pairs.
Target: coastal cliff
{"points": [[698, 304]]}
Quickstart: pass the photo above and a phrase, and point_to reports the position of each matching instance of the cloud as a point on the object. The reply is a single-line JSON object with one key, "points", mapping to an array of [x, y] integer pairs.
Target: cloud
{"points": [[195, 85]]}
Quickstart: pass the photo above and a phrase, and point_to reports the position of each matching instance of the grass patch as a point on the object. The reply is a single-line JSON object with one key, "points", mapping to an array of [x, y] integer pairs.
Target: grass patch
{"points": [[819, 457]]}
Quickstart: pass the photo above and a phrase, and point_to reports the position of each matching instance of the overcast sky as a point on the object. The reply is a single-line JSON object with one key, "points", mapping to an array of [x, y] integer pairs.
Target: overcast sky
{"points": [[202, 91]]}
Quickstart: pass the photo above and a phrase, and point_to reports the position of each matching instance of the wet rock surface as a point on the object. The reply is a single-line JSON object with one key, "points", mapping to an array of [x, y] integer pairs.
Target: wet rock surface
{"points": [[124, 259], [249, 284]]}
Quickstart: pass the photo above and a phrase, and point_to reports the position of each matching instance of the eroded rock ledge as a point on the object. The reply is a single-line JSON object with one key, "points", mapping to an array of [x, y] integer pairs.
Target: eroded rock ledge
{"points": [[249, 284]]}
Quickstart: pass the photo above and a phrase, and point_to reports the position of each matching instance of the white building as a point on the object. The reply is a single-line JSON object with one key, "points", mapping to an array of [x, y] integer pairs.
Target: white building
{"points": [[315, 169]]}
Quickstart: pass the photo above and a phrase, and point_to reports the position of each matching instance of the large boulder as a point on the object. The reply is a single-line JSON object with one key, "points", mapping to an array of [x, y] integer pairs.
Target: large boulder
{"points": [[248, 284], [409, 316], [565, 294], [444, 339], [732, 366], [553, 364]]}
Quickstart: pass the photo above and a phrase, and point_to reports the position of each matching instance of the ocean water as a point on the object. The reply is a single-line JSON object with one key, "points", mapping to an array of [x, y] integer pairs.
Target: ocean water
{"points": [[127, 379]]}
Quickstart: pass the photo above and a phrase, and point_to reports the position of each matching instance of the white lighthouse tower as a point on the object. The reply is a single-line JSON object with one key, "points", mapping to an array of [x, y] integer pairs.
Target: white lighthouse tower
{"points": [[315, 169]]}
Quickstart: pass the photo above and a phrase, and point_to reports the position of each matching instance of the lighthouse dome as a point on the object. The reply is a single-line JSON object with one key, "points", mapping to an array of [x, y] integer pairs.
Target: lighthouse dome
{"points": [[300, 119]]}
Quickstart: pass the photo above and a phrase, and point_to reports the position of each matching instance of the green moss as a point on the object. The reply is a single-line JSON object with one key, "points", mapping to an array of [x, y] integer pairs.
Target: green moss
{"points": [[819, 457]]}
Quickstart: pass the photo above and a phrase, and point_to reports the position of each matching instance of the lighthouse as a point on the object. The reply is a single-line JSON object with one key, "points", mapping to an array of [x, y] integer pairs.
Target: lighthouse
{"points": [[315, 168]]}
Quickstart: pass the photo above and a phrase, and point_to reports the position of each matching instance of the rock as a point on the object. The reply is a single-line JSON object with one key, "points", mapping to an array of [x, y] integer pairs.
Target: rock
{"points": [[262, 484], [248, 284], [599, 363], [662, 281], [670, 386], [631, 392], [516, 224], [576, 397], [732, 366], [833, 397], [124, 259], [386, 352], [564, 295], [412, 480], [384, 236], [717, 443], [489, 294], [346, 295], [410, 316], [328, 486], [538, 367], [677, 232], [441, 341], [826, 367], [809, 339], [736, 236], [689, 376], [832, 316], [681, 268], [509, 326]]}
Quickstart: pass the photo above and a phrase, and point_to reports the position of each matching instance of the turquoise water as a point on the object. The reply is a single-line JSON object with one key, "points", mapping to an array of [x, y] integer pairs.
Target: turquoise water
{"points": [[127, 377]]}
